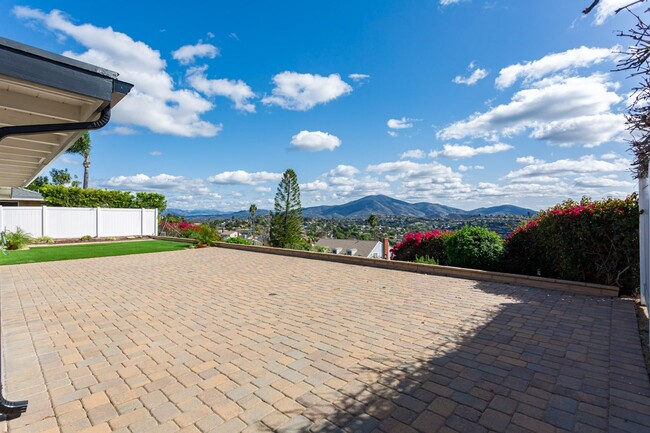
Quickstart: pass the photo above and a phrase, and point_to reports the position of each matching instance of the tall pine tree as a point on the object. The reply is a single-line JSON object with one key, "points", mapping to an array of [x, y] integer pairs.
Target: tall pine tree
{"points": [[286, 220]]}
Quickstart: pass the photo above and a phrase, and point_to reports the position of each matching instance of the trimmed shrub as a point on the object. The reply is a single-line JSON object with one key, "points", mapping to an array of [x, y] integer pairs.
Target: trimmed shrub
{"points": [[474, 247], [18, 239], [238, 240], [62, 196], [43, 240], [426, 260], [420, 244], [589, 241]]}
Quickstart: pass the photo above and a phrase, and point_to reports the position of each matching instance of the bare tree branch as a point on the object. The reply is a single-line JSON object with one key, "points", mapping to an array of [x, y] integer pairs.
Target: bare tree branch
{"points": [[591, 7]]}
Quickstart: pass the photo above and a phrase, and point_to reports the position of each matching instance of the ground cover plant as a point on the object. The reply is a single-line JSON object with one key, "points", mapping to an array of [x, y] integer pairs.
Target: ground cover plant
{"points": [[69, 252]]}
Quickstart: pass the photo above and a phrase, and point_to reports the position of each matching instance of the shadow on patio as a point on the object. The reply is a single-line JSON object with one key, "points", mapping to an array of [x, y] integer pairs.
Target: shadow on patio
{"points": [[542, 361]]}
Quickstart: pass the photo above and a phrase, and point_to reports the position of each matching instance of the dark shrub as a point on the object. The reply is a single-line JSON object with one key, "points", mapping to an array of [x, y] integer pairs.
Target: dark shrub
{"points": [[590, 241], [474, 247]]}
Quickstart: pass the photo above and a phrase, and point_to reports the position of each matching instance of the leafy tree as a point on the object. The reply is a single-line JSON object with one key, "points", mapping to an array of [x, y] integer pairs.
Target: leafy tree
{"points": [[82, 147], [286, 221], [60, 177], [150, 200], [38, 183]]}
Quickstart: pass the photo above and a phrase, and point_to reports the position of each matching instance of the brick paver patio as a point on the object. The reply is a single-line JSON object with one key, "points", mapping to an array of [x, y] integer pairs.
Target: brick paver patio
{"points": [[218, 340]]}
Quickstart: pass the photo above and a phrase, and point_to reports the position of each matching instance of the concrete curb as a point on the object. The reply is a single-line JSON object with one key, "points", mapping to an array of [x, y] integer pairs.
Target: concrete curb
{"points": [[446, 271]]}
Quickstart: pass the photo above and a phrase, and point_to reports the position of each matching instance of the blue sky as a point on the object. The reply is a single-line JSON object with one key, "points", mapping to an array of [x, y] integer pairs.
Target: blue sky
{"points": [[467, 103]]}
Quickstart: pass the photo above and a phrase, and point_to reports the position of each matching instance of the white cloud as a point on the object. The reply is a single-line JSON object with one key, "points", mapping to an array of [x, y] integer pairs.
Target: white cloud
{"points": [[431, 172], [602, 182], [119, 130], [359, 77], [294, 91], [449, 2], [570, 167], [392, 133], [317, 185], [160, 183], [315, 141], [154, 102], [187, 53], [343, 171], [609, 155], [236, 90], [470, 167], [155, 153], [477, 75], [402, 123], [263, 189], [575, 58], [529, 160], [607, 8], [241, 177], [458, 151], [413, 154], [590, 130], [555, 110]]}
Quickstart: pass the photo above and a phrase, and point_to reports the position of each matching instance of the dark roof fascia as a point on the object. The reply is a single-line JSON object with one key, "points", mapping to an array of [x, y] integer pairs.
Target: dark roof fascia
{"points": [[32, 64]]}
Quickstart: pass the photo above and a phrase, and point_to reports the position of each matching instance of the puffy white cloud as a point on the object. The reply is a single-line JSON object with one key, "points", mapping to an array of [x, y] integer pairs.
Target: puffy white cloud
{"points": [[359, 77], [568, 102], [236, 90], [317, 185], [590, 130], [477, 75], [119, 130], [295, 91], [160, 183], [315, 141], [187, 53], [570, 167], [458, 151], [263, 189], [402, 123], [413, 154], [241, 177], [433, 171], [154, 102], [607, 8], [449, 2], [575, 58]]}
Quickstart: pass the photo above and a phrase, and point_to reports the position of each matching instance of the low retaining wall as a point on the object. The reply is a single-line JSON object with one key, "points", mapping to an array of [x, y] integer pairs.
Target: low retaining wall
{"points": [[446, 271]]}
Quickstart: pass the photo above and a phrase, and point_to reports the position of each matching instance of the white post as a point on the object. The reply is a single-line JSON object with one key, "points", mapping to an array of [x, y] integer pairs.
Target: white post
{"points": [[141, 221], [98, 220], [2, 219], [643, 239], [155, 222], [43, 220]]}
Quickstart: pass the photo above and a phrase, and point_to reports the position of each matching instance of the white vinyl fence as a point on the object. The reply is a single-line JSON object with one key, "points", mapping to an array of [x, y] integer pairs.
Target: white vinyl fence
{"points": [[75, 222]]}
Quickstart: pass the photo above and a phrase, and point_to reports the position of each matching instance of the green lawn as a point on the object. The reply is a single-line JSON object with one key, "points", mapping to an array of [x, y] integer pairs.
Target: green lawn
{"points": [[69, 252]]}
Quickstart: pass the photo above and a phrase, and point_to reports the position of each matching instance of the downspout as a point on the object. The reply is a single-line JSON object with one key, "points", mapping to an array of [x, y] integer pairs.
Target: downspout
{"points": [[13, 409]]}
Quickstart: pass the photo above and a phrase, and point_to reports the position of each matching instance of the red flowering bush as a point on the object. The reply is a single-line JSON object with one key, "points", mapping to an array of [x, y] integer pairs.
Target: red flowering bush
{"points": [[181, 229], [591, 241], [420, 244]]}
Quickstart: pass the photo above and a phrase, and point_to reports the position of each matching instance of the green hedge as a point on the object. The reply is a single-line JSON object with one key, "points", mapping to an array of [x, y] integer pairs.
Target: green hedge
{"points": [[61, 196], [474, 247]]}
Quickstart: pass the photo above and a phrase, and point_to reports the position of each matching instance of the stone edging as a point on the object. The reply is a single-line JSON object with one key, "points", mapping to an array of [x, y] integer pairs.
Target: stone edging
{"points": [[446, 271]]}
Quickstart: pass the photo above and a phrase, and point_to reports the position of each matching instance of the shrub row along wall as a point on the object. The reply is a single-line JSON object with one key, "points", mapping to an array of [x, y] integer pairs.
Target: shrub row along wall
{"points": [[66, 222], [57, 195], [587, 241]]}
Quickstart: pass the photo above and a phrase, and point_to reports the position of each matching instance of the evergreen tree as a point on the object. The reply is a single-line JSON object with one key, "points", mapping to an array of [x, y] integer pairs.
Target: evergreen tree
{"points": [[286, 220]]}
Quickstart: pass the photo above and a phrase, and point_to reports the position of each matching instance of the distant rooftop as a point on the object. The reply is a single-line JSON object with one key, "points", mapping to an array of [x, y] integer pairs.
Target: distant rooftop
{"points": [[364, 248]]}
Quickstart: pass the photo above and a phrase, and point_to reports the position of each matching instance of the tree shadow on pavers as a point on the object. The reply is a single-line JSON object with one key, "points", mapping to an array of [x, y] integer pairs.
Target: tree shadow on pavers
{"points": [[536, 361]]}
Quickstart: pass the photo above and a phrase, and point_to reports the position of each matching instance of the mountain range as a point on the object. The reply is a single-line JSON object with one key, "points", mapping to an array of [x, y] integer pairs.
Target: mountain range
{"points": [[379, 205]]}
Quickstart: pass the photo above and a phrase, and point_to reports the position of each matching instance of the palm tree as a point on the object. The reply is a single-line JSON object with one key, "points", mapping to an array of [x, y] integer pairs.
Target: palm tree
{"points": [[253, 210], [82, 147]]}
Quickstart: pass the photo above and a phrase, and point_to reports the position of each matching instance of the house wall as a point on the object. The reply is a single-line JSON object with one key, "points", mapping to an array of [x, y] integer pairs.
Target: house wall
{"points": [[69, 222], [377, 251]]}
